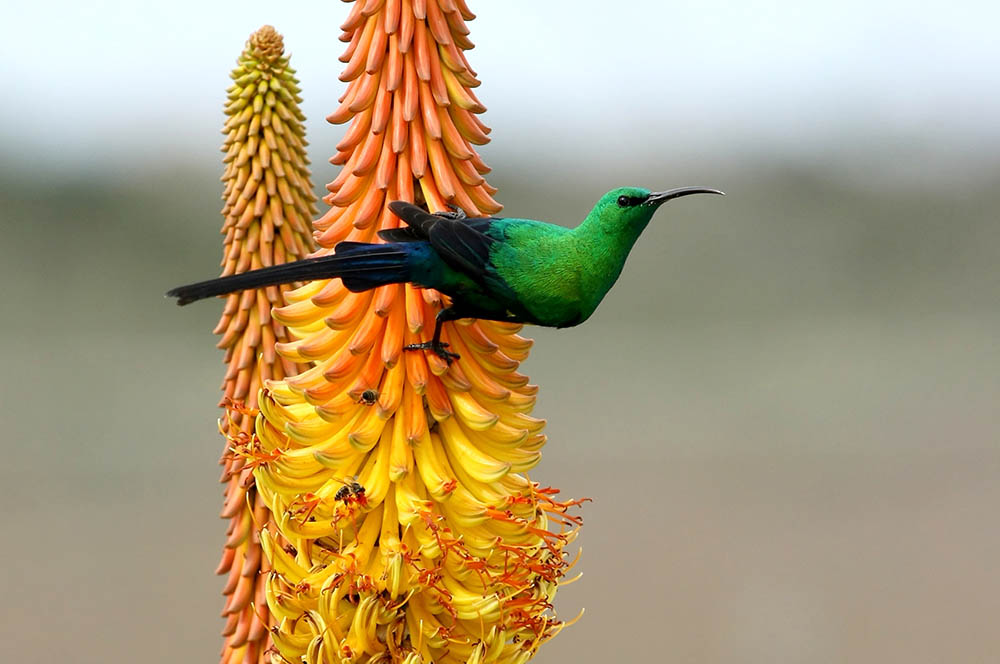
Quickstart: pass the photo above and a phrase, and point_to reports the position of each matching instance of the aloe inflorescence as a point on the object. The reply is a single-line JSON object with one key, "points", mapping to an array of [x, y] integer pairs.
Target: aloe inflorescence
{"points": [[267, 213], [403, 525]]}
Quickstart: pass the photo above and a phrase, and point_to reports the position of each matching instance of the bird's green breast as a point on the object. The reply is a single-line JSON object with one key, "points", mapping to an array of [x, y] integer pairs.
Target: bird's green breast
{"points": [[558, 275]]}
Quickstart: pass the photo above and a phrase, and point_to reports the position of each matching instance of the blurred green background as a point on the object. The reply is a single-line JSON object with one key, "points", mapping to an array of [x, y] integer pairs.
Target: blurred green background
{"points": [[786, 411]]}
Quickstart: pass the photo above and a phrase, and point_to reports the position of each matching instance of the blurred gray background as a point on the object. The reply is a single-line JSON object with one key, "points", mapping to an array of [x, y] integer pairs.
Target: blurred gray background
{"points": [[786, 412]]}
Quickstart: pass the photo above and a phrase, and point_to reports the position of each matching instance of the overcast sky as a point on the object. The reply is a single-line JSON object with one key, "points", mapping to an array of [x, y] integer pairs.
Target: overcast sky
{"points": [[106, 79]]}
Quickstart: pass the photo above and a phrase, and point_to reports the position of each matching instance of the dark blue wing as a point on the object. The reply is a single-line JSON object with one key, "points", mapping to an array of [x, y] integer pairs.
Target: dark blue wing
{"points": [[462, 244], [407, 234]]}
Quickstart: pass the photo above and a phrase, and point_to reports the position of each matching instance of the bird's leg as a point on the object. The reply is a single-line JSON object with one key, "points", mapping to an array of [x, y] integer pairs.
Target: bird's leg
{"points": [[435, 343], [455, 213]]}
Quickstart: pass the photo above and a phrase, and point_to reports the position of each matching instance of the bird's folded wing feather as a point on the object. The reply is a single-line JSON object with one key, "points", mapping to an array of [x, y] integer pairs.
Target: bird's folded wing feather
{"points": [[417, 219], [402, 235], [459, 243]]}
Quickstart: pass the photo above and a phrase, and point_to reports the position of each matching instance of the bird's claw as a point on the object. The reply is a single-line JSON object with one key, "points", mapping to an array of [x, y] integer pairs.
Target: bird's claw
{"points": [[437, 348], [455, 213]]}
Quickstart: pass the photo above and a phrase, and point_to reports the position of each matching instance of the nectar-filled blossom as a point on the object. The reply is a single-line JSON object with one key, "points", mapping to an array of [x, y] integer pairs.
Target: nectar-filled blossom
{"points": [[405, 528], [268, 208]]}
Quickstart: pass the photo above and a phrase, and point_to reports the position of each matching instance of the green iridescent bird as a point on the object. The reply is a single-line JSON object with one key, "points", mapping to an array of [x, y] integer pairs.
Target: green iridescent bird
{"points": [[514, 270]]}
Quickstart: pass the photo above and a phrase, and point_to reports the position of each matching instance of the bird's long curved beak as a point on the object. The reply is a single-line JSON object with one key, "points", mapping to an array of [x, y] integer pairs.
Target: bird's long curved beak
{"points": [[660, 197]]}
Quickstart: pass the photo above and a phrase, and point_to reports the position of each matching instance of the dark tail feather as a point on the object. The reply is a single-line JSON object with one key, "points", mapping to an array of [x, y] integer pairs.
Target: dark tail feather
{"points": [[367, 266], [361, 266]]}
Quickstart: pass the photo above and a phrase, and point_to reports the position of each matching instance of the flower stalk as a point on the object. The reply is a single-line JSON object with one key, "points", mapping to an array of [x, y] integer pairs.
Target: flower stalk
{"points": [[268, 207], [404, 527]]}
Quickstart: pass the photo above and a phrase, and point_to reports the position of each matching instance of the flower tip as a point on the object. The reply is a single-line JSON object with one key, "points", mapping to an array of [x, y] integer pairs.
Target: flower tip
{"points": [[266, 44]]}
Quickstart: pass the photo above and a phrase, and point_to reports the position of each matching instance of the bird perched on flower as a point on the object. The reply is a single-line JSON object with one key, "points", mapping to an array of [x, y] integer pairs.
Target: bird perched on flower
{"points": [[514, 270]]}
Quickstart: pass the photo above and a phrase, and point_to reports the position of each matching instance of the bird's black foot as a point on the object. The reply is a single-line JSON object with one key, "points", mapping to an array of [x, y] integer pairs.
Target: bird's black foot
{"points": [[455, 213], [437, 348]]}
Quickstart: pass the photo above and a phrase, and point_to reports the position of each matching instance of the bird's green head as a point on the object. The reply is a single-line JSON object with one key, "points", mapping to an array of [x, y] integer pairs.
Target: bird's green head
{"points": [[629, 209]]}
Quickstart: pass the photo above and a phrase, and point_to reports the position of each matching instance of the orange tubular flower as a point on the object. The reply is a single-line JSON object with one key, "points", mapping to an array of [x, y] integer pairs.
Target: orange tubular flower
{"points": [[268, 207], [404, 529]]}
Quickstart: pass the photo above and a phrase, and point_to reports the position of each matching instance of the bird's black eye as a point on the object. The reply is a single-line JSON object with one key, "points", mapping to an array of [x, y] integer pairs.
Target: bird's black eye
{"points": [[630, 201]]}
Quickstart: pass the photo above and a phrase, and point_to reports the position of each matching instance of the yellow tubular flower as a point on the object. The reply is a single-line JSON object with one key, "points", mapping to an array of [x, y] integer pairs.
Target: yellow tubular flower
{"points": [[268, 207], [404, 529]]}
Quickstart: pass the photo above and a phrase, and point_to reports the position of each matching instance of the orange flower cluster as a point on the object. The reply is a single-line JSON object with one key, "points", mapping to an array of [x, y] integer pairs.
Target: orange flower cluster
{"points": [[268, 207]]}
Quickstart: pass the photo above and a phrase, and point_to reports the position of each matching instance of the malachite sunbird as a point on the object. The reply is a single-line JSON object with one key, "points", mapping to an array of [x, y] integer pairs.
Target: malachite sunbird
{"points": [[514, 270]]}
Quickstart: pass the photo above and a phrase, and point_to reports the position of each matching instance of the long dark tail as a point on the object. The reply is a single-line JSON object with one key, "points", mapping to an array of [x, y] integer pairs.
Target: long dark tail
{"points": [[361, 266]]}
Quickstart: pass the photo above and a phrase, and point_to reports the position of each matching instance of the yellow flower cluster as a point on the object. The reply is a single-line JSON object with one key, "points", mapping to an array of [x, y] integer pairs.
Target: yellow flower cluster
{"points": [[268, 208]]}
